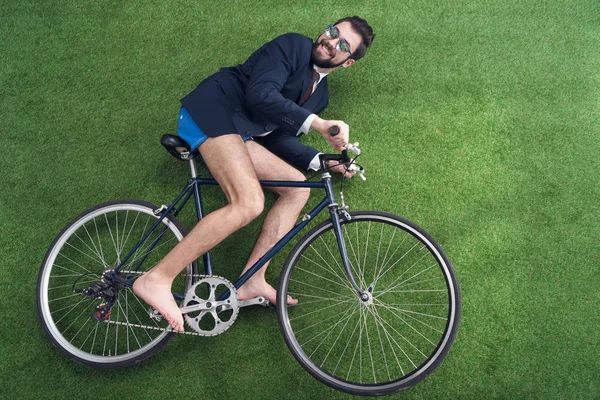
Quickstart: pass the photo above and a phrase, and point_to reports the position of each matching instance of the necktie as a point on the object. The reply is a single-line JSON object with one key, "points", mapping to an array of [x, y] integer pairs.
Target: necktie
{"points": [[309, 89]]}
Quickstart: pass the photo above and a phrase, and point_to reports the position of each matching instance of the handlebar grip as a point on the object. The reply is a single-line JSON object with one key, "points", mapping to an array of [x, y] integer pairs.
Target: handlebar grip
{"points": [[334, 130]]}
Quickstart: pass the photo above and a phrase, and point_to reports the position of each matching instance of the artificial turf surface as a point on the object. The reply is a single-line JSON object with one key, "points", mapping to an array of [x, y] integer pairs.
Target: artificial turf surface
{"points": [[478, 121]]}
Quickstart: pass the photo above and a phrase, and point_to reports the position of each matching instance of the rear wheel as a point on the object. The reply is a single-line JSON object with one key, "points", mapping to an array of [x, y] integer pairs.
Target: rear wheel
{"points": [[89, 321], [389, 342]]}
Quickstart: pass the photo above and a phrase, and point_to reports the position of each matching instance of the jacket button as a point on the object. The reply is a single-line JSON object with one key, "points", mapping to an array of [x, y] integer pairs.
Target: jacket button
{"points": [[268, 128]]}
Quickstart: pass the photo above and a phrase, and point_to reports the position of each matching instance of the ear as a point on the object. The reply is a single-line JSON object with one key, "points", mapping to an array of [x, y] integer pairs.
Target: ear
{"points": [[348, 62]]}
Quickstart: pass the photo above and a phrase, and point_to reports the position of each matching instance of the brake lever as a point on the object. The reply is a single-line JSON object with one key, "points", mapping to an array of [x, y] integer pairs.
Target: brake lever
{"points": [[359, 170]]}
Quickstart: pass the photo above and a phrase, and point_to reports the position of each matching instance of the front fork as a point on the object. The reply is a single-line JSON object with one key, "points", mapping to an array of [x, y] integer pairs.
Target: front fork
{"points": [[334, 209]]}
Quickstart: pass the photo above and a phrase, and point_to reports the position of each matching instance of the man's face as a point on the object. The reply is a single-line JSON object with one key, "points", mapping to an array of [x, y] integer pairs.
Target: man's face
{"points": [[324, 54]]}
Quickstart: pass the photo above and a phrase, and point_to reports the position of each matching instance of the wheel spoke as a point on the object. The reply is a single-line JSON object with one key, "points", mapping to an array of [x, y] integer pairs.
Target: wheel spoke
{"points": [[329, 330], [112, 238], [343, 280], [347, 344], [389, 336], [322, 321], [99, 242], [376, 269], [319, 310], [68, 312], [106, 339], [76, 263], [406, 313], [126, 316], [356, 258], [358, 343], [333, 346], [326, 279], [369, 346], [95, 334], [95, 251], [143, 307], [410, 326], [97, 258], [394, 264], [411, 267], [381, 344], [320, 298], [147, 251], [401, 284], [340, 267], [313, 286], [131, 229]]}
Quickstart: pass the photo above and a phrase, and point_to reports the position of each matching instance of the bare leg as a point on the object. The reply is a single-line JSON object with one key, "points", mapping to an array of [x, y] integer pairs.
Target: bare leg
{"points": [[280, 219], [230, 164]]}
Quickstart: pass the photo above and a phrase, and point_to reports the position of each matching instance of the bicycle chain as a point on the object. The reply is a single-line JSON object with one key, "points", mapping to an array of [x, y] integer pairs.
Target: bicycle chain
{"points": [[169, 328], [155, 328]]}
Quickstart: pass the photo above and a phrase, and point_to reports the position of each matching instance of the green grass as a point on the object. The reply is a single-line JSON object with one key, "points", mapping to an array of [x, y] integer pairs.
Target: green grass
{"points": [[478, 120]]}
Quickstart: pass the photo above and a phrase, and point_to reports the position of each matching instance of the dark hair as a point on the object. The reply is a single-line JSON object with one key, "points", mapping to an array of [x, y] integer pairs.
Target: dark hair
{"points": [[363, 28]]}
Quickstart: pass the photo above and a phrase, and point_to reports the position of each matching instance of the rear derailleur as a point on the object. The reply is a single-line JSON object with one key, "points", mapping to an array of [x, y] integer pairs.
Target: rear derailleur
{"points": [[105, 290]]}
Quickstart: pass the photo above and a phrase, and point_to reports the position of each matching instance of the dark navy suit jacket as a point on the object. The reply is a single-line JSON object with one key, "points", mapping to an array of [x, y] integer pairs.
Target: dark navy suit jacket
{"points": [[264, 93]]}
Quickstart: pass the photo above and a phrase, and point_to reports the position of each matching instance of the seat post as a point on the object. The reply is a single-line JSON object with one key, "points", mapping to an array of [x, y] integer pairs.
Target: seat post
{"points": [[193, 167]]}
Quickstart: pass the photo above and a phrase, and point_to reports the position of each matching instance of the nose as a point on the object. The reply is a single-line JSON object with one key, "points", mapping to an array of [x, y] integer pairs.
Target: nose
{"points": [[332, 43]]}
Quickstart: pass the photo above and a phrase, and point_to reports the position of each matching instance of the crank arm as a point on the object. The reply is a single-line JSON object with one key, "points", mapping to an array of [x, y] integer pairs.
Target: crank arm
{"points": [[257, 301], [206, 306]]}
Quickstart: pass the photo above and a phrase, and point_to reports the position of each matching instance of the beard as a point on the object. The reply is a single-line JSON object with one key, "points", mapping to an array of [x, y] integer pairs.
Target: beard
{"points": [[324, 62]]}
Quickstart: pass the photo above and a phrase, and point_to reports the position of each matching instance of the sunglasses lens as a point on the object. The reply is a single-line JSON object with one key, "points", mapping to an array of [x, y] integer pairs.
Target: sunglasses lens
{"points": [[332, 32], [343, 46]]}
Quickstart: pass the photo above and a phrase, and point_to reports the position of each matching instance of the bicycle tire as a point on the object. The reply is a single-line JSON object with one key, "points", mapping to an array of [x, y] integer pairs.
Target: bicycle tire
{"points": [[412, 321], [90, 244]]}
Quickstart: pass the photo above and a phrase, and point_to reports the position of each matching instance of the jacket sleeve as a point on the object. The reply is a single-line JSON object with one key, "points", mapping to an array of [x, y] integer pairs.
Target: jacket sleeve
{"points": [[277, 61], [290, 149]]}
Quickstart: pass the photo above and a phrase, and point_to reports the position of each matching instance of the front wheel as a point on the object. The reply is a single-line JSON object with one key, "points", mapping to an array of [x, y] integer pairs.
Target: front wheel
{"points": [[93, 322], [383, 345]]}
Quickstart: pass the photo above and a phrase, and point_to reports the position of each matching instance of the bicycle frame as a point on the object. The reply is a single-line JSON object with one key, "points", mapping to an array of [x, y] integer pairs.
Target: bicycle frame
{"points": [[193, 189]]}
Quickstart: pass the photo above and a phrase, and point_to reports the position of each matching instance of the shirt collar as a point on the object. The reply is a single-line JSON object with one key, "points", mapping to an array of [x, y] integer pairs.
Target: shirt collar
{"points": [[321, 74]]}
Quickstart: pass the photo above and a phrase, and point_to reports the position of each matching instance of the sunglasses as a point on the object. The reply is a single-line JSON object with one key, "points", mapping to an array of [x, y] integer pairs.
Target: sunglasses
{"points": [[342, 45]]}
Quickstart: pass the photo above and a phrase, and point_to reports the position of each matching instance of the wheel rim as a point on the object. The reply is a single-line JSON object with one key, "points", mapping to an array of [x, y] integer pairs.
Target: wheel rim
{"points": [[398, 339], [81, 253]]}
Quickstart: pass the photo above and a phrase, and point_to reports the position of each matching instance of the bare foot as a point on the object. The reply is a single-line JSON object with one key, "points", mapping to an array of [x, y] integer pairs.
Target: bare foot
{"points": [[255, 287], [157, 293]]}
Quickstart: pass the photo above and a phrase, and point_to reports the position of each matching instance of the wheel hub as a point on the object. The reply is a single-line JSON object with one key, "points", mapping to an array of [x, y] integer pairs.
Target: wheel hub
{"points": [[366, 299]]}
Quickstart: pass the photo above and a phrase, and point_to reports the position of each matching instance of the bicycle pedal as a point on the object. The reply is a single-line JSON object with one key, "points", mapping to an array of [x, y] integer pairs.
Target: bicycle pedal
{"points": [[155, 315]]}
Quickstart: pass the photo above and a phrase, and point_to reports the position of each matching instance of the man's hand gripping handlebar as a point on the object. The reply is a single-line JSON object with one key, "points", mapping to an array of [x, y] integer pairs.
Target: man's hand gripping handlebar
{"points": [[343, 167]]}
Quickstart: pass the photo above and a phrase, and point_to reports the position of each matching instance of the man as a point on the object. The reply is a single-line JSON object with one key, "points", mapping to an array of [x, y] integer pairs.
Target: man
{"points": [[275, 95]]}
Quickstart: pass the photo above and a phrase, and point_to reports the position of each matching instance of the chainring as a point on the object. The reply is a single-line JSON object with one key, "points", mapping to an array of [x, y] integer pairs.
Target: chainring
{"points": [[203, 309]]}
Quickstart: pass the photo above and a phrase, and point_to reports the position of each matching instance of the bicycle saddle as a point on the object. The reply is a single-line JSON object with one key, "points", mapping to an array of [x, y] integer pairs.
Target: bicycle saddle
{"points": [[178, 147]]}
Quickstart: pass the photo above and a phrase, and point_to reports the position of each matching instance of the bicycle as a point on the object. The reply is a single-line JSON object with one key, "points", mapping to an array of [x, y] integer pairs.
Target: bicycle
{"points": [[379, 302]]}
